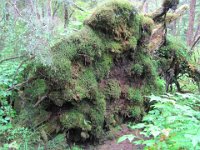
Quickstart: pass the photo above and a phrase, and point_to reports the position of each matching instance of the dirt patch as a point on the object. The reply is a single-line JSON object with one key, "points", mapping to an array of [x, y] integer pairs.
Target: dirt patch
{"points": [[113, 145]]}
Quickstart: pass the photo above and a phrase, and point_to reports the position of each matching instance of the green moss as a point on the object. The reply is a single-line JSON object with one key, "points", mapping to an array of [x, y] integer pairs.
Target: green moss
{"points": [[147, 24], [57, 98], [149, 65], [160, 85], [37, 88], [96, 115], [137, 111], [137, 69], [74, 119], [113, 89], [132, 42], [135, 95], [116, 18], [95, 112], [85, 86], [103, 66], [173, 46], [115, 47]]}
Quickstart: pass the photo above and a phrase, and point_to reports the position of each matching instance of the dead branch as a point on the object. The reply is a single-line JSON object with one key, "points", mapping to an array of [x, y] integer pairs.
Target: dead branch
{"points": [[195, 42], [11, 58], [158, 34], [16, 72], [76, 6], [20, 65], [39, 101], [22, 84], [170, 17], [15, 7], [167, 4]]}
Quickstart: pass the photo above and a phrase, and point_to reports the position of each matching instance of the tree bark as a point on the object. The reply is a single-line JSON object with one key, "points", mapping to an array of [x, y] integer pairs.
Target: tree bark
{"points": [[66, 15], [190, 30]]}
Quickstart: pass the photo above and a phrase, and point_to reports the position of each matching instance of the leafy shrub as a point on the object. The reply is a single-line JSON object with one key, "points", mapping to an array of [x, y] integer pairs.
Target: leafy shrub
{"points": [[173, 123]]}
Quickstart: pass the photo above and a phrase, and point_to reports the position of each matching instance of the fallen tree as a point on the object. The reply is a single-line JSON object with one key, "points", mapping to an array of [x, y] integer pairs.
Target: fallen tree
{"points": [[98, 76]]}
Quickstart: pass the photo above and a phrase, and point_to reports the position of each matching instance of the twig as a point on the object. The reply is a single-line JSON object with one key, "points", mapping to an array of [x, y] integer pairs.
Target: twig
{"points": [[195, 42], [76, 6], [39, 101], [20, 65], [15, 7], [57, 5], [16, 72], [21, 84], [11, 58]]}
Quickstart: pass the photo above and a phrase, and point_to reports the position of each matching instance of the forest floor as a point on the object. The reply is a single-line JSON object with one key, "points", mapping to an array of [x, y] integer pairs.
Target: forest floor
{"points": [[112, 143]]}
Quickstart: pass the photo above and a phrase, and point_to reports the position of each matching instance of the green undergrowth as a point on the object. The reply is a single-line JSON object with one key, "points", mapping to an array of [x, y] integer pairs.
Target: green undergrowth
{"points": [[172, 123]]}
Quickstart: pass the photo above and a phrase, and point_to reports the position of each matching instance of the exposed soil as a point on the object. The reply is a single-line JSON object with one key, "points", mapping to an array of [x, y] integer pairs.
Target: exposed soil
{"points": [[113, 145]]}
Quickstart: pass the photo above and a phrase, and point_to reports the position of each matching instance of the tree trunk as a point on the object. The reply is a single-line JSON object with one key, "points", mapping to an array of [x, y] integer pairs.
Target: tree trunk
{"points": [[145, 7], [66, 15], [191, 22]]}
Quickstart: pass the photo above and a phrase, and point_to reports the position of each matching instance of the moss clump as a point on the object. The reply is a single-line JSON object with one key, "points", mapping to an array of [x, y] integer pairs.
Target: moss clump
{"points": [[113, 89], [137, 69], [57, 98], [103, 66], [74, 119], [173, 50], [135, 95], [136, 111], [95, 112], [85, 86], [149, 65], [115, 47], [147, 24], [173, 46], [132, 42], [37, 88], [117, 19], [99, 55], [159, 85]]}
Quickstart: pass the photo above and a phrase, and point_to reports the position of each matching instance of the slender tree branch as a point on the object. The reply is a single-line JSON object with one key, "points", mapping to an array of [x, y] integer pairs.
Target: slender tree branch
{"points": [[11, 58], [57, 5], [195, 42], [40, 100], [22, 84], [15, 7]]}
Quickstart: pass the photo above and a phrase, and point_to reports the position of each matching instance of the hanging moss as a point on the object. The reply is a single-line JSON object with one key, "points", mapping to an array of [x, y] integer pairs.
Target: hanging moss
{"points": [[97, 115], [75, 119]]}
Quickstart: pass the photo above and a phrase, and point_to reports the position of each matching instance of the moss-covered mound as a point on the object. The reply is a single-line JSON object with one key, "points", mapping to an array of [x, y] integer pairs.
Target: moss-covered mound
{"points": [[98, 77]]}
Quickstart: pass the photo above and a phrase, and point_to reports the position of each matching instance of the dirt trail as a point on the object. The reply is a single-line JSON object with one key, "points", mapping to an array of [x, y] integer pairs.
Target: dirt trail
{"points": [[113, 145]]}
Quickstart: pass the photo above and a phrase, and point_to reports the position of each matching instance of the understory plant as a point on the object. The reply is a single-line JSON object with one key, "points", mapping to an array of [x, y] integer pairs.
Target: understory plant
{"points": [[173, 123]]}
